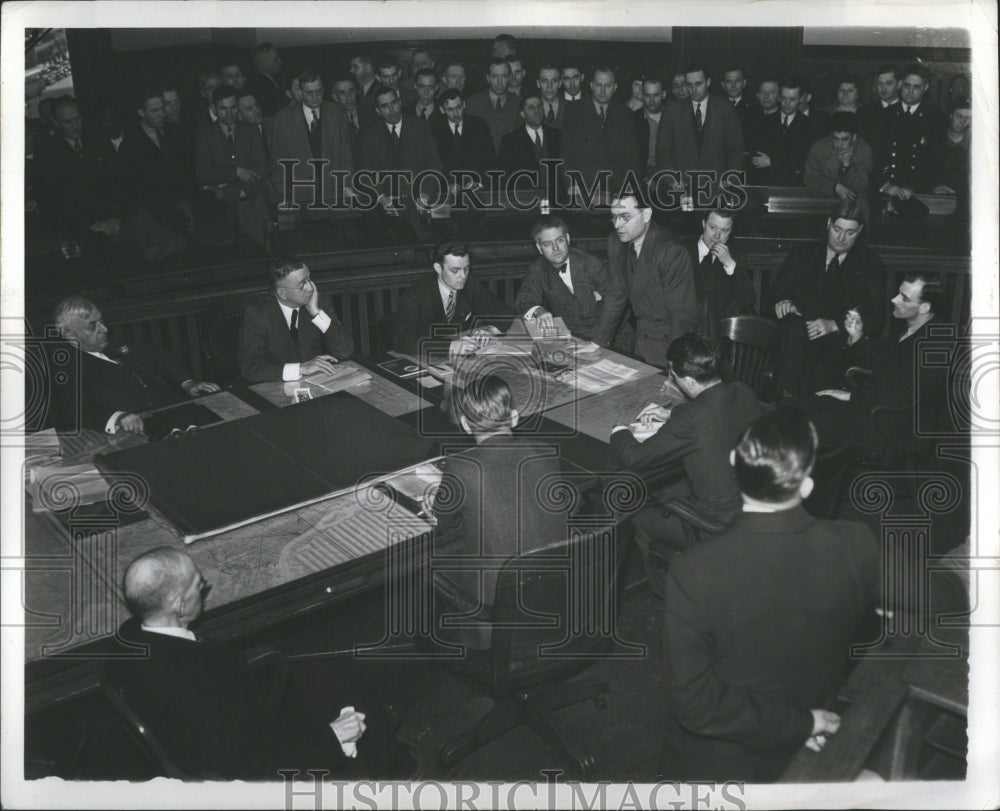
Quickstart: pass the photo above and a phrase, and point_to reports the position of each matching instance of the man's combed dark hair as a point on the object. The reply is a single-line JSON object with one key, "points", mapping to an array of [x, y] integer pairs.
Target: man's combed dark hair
{"points": [[547, 221], [224, 92], [280, 266], [455, 247], [774, 456], [693, 355], [848, 210], [486, 404], [932, 290]]}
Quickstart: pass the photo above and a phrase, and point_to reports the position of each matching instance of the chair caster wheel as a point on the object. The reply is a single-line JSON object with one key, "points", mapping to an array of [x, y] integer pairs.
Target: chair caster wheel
{"points": [[601, 702]]}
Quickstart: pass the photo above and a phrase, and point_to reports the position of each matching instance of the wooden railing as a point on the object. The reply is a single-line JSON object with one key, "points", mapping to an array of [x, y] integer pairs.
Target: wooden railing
{"points": [[172, 311]]}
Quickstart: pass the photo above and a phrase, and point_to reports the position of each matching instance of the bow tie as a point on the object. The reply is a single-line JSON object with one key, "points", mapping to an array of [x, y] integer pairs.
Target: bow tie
{"points": [[563, 268]]}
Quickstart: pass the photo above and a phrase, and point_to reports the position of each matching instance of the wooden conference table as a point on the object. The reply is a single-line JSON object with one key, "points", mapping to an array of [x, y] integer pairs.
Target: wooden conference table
{"points": [[287, 564]]}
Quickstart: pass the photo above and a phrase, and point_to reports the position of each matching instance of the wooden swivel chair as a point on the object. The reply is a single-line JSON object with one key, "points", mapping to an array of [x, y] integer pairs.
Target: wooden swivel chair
{"points": [[219, 343], [749, 347], [549, 620]]}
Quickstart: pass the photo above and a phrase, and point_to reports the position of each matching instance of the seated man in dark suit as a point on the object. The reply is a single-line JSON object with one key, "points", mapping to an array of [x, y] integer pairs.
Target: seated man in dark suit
{"points": [[116, 385], [231, 163], [842, 416], [463, 141], [525, 147], [784, 140], [570, 284], [721, 279], [700, 433], [206, 706], [449, 297], [278, 341], [498, 485], [749, 684], [153, 164], [812, 292]]}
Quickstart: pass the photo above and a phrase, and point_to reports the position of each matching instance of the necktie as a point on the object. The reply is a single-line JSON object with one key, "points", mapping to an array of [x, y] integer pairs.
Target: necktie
{"points": [[633, 261], [315, 121], [707, 261], [78, 147], [395, 134], [449, 308], [784, 123], [833, 263], [354, 119], [698, 120], [159, 139], [603, 114], [538, 145], [498, 103], [230, 138], [294, 328], [735, 102], [550, 116]]}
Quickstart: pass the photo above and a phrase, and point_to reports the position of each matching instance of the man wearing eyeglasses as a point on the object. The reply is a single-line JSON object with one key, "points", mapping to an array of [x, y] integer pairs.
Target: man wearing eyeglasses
{"points": [[570, 284], [293, 332], [656, 273]]}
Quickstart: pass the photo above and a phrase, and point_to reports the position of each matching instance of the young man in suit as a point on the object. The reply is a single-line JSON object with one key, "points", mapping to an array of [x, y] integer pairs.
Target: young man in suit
{"points": [[699, 433], [425, 86], [495, 105], [498, 486], [206, 706], [749, 684], [722, 282], [599, 136], [313, 129], [702, 132], [784, 140], [525, 147], [842, 416], [448, 297], [463, 141], [657, 276], [344, 91], [647, 125], [109, 388], [734, 82], [293, 331], [400, 142], [570, 284], [549, 83], [811, 294], [231, 162]]}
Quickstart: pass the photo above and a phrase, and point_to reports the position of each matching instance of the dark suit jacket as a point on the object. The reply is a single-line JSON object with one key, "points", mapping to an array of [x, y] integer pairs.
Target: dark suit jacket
{"points": [[662, 292], [497, 507], [411, 109], [500, 122], [719, 295], [721, 145], [874, 124], [758, 624], [642, 136], [270, 95], [216, 161], [205, 706], [745, 110], [517, 150], [290, 140], [416, 153], [588, 146], [560, 112], [893, 366], [266, 345], [700, 433], [858, 283], [582, 312], [157, 177], [143, 379], [74, 191], [420, 308], [787, 150], [473, 151], [822, 171]]}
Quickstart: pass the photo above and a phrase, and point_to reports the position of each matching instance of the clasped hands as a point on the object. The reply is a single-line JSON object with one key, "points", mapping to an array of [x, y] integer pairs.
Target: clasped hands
{"points": [[815, 328]]}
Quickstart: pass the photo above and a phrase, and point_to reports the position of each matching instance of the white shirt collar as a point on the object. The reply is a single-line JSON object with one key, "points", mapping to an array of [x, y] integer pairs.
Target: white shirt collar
{"points": [[568, 97], [102, 356], [702, 249], [531, 133], [830, 253], [653, 116], [456, 127], [167, 630], [789, 118], [445, 291], [887, 104], [398, 125], [307, 111], [912, 107], [286, 311]]}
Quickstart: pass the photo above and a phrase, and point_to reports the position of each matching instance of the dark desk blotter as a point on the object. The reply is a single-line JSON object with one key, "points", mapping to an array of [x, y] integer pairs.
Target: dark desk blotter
{"points": [[204, 481]]}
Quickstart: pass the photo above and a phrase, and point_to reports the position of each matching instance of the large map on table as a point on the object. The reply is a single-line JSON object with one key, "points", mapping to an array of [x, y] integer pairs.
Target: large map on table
{"points": [[231, 474]]}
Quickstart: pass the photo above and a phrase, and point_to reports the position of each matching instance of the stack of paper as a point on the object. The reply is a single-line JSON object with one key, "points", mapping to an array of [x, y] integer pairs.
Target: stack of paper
{"points": [[59, 488], [343, 376], [600, 376]]}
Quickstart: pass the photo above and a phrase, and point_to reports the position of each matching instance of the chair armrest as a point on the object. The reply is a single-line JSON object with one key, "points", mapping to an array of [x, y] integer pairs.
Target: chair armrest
{"points": [[686, 511]]}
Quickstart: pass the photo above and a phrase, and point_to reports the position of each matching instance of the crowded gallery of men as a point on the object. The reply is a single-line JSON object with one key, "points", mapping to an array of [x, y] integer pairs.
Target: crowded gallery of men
{"points": [[468, 405]]}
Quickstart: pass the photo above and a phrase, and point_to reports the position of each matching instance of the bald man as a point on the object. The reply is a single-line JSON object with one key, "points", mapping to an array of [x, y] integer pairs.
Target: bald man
{"points": [[204, 703]]}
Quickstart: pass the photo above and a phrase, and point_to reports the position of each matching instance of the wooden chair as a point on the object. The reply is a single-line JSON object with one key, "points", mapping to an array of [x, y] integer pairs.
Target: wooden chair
{"points": [[219, 343], [749, 346], [535, 640]]}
